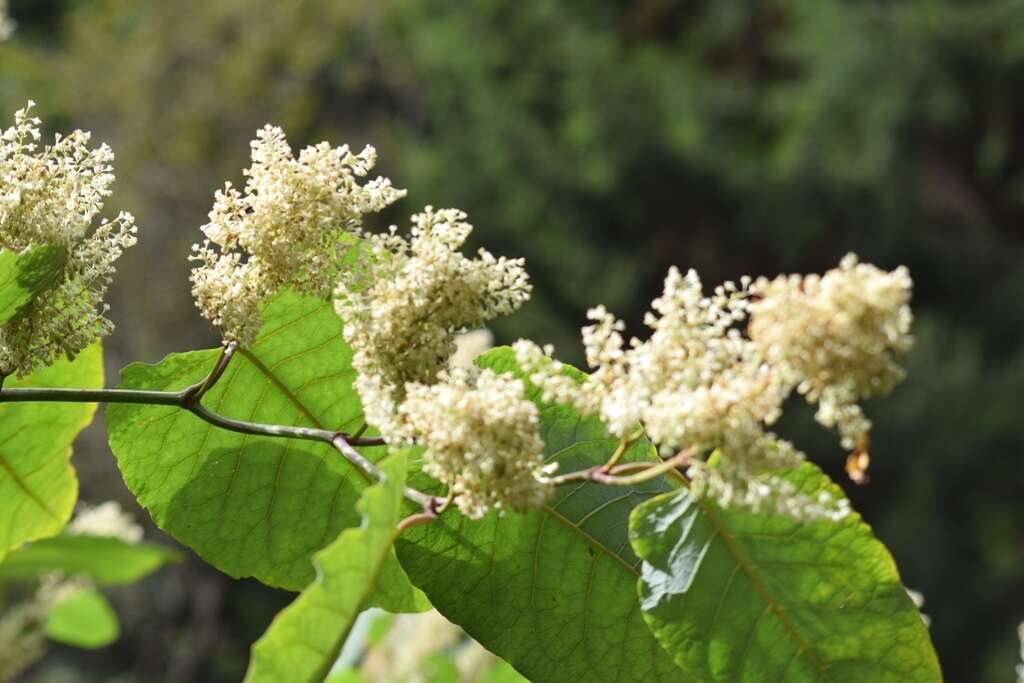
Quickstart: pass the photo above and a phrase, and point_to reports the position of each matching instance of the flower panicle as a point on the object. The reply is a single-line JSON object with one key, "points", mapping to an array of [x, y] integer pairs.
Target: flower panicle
{"points": [[403, 312], [717, 367], [291, 225], [482, 439], [52, 195]]}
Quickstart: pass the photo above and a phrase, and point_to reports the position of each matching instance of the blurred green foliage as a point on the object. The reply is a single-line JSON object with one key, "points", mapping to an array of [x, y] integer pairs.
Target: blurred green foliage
{"points": [[604, 142]]}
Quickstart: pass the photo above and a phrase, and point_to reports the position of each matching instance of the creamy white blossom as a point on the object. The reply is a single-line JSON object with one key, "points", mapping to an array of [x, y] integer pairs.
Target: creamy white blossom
{"points": [[403, 310], [716, 369], [52, 195], [482, 439], [837, 338], [292, 225], [106, 519]]}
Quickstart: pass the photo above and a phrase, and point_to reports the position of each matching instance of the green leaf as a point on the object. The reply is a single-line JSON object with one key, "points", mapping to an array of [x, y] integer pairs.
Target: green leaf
{"points": [[84, 619], [104, 560], [25, 275], [742, 597], [38, 487], [553, 591], [251, 506], [305, 639]]}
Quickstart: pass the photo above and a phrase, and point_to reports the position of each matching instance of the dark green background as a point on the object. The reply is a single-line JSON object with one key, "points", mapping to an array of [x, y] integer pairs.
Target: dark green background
{"points": [[603, 141]]}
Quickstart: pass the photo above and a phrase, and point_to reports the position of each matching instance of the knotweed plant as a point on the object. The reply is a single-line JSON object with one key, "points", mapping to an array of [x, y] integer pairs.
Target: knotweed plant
{"points": [[340, 443]]}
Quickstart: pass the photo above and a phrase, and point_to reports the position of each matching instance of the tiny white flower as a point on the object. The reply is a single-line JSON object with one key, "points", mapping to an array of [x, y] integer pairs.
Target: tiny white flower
{"points": [[106, 519]]}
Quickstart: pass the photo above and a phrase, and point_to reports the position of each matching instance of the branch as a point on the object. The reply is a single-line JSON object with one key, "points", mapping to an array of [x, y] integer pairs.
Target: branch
{"points": [[430, 503], [644, 471], [190, 399]]}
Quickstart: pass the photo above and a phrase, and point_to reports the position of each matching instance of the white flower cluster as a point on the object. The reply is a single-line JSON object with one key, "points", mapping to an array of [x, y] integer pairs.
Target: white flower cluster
{"points": [[291, 226], [482, 440], [51, 196], [700, 382], [836, 338], [413, 296], [106, 519]]}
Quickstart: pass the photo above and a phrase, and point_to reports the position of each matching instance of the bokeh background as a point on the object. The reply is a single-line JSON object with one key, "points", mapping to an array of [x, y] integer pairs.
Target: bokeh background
{"points": [[603, 141]]}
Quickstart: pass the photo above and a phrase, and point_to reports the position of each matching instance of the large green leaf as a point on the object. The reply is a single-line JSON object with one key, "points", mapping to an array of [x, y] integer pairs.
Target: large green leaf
{"points": [[742, 597], [306, 638], [38, 487], [553, 591], [24, 275], [83, 619], [104, 560], [251, 506]]}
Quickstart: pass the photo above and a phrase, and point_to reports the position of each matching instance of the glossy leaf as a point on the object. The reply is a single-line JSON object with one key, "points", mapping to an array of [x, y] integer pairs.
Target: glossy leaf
{"points": [[103, 560], [83, 619], [24, 275], [38, 487], [552, 591], [250, 506], [736, 596], [305, 639]]}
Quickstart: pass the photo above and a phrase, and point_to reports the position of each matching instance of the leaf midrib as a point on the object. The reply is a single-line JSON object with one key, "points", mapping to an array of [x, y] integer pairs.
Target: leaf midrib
{"points": [[802, 645], [6, 466]]}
